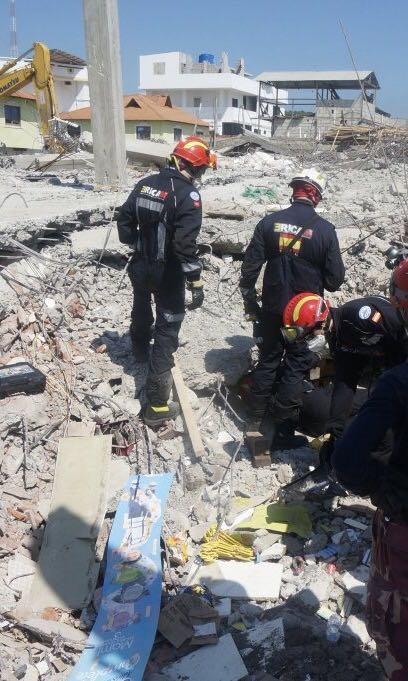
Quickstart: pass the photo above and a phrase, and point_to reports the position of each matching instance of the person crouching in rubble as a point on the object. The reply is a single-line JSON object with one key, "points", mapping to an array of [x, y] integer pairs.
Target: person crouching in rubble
{"points": [[302, 253], [161, 219], [364, 337], [387, 485]]}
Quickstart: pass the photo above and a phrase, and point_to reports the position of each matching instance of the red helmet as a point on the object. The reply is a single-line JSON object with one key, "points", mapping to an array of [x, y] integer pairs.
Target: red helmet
{"points": [[196, 152], [306, 310], [399, 288]]}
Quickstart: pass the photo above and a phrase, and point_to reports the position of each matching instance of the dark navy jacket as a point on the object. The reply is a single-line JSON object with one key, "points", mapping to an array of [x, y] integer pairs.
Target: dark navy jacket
{"points": [[161, 219], [313, 263], [386, 409], [367, 335]]}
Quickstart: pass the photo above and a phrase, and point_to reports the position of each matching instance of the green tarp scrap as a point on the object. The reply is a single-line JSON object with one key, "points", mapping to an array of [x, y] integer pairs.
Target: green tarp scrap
{"points": [[258, 192], [278, 518]]}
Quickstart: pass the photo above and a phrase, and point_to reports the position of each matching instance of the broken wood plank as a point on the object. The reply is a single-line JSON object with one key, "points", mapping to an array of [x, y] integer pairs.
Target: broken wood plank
{"points": [[258, 446], [67, 570], [189, 416]]}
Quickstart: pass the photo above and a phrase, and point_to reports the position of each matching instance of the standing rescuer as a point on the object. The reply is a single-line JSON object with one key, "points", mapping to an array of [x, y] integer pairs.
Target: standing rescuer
{"points": [[301, 253], [386, 482], [161, 219]]}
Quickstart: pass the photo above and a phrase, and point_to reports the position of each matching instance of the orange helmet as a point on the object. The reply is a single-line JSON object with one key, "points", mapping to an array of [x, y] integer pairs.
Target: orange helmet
{"points": [[196, 152], [399, 289], [303, 313]]}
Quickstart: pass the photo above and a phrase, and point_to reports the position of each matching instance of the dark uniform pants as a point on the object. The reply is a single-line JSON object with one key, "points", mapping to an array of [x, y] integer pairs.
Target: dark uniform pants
{"points": [[287, 396], [387, 602], [165, 282]]}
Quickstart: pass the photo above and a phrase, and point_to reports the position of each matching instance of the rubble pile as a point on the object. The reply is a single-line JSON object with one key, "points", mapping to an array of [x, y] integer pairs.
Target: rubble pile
{"points": [[280, 566]]}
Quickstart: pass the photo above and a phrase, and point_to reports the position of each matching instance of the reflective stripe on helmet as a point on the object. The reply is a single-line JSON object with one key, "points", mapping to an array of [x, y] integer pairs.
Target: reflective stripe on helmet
{"points": [[299, 305]]}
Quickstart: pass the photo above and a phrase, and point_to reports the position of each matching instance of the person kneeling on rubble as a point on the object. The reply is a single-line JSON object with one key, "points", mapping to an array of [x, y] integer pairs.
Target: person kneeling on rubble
{"points": [[161, 219], [364, 337], [387, 485], [302, 253]]}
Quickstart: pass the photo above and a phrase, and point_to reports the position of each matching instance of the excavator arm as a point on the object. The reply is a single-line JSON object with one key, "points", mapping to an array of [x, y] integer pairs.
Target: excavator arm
{"points": [[39, 72], [11, 82]]}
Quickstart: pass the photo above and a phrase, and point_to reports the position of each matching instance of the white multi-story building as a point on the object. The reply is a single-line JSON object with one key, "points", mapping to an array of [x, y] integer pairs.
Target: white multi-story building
{"points": [[228, 98], [70, 75]]}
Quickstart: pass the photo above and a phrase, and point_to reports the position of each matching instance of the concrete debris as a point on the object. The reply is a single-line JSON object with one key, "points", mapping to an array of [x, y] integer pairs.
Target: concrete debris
{"points": [[91, 243], [232, 579], [355, 582], [355, 626], [68, 315], [220, 663], [67, 572]]}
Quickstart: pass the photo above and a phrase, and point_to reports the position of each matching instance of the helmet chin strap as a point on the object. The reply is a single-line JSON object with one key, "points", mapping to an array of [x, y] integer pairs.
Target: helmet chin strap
{"points": [[182, 168]]}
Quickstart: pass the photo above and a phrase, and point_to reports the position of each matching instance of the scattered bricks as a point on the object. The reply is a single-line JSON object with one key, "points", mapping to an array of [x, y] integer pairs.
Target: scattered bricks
{"points": [[76, 308], [51, 614], [17, 515]]}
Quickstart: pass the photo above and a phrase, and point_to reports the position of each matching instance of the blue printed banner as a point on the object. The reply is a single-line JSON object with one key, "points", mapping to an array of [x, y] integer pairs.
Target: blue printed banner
{"points": [[121, 640]]}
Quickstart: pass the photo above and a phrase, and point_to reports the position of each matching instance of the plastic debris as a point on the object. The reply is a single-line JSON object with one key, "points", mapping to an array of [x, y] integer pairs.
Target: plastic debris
{"points": [[280, 518], [222, 545], [330, 551], [178, 550], [258, 192]]}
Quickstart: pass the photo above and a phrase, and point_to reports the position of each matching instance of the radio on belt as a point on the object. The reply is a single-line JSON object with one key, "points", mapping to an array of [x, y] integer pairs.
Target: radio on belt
{"points": [[21, 378]]}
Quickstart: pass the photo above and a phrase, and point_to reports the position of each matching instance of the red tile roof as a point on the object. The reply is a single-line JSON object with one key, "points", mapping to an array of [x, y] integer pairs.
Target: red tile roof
{"points": [[143, 108]]}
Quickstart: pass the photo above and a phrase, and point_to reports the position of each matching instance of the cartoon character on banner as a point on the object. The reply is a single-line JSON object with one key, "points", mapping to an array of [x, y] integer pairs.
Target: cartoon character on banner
{"points": [[135, 579], [144, 510]]}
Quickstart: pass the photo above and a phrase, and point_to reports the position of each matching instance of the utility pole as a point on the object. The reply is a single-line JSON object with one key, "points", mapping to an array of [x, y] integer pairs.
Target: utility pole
{"points": [[106, 94]]}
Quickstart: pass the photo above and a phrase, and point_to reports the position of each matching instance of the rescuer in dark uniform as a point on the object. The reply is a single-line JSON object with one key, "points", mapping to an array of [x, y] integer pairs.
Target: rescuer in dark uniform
{"points": [[301, 253], [365, 337], [161, 219], [386, 482]]}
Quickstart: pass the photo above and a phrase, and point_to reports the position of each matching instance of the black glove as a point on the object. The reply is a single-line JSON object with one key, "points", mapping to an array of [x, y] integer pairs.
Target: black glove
{"points": [[391, 494], [197, 294], [252, 311]]}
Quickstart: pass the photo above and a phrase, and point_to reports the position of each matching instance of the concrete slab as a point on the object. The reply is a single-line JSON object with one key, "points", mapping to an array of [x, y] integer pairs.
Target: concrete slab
{"points": [[20, 573], [234, 579], [67, 571], [91, 242], [220, 662]]}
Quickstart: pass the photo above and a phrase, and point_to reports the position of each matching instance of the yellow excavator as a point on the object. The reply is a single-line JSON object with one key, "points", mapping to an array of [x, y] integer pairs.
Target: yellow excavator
{"points": [[53, 129]]}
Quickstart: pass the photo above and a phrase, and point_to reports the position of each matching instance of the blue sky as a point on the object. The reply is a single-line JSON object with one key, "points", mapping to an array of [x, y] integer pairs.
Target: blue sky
{"points": [[271, 35]]}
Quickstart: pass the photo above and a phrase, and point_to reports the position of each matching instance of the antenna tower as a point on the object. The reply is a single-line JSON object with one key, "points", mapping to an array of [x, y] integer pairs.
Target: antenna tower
{"points": [[13, 30]]}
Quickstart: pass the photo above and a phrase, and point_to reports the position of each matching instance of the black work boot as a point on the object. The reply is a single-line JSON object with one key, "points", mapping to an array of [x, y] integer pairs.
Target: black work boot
{"points": [[257, 411], [285, 437], [158, 409], [156, 415]]}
